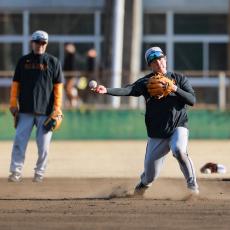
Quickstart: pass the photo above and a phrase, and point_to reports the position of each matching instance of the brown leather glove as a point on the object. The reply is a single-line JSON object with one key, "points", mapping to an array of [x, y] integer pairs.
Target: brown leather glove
{"points": [[160, 86], [211, 166], [53, 122]]}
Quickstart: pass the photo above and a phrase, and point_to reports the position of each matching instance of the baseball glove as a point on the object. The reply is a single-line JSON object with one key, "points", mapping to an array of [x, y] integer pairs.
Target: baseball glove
{"points": [[212, 166], [53, 122], [160, 86]]}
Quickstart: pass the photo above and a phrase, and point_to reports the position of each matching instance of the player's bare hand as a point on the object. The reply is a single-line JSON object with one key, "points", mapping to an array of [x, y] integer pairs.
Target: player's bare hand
{"points": [[101, 89]]}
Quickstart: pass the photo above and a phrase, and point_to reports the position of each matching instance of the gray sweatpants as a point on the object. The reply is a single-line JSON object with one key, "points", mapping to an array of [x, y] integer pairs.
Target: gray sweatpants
{"points": [[158, 148], [22, 136]]}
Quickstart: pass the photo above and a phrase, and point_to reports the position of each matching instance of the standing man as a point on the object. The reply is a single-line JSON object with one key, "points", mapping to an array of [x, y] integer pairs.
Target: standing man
{"points": [[36, 95], [167, 95]]}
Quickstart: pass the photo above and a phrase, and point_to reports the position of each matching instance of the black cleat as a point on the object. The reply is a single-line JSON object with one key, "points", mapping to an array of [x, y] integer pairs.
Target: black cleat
{"points": [[140, 189]]}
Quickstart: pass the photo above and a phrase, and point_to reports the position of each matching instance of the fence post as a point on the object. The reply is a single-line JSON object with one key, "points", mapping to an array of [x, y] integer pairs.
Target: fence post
{"points": [[222, 91]]}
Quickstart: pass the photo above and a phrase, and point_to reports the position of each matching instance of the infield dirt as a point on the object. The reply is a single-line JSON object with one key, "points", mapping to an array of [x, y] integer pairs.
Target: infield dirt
{"points": [[89, 185]]}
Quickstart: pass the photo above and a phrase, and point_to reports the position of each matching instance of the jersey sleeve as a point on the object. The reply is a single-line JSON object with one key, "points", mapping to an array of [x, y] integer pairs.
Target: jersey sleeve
{"points": [[186, 92], [136, 89]]}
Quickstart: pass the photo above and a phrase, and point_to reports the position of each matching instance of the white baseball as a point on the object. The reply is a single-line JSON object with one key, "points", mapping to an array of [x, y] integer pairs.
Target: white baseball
{"points": [[207, 171], [92, 84]]}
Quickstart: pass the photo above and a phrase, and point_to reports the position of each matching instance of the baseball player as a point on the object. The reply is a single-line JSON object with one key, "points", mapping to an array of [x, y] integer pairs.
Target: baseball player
{"points": [[36, 94], [166, 119]]}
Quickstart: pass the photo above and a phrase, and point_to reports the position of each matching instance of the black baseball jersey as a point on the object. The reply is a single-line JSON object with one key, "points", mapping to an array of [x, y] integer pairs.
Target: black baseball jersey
{"points": [[37, 75], [163, 115]]}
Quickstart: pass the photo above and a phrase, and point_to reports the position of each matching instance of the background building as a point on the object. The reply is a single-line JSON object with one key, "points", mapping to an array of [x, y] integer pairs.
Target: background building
{"points": [[194, 34]]}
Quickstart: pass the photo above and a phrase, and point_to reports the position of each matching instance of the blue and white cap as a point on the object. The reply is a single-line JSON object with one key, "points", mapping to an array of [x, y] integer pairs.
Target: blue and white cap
{"points": [[153, 53], [40, 35]]}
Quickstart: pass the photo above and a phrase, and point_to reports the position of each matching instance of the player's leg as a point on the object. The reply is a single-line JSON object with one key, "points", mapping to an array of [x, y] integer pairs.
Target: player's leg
{"points": [[43, 139], [22, 135], [156, 151], [178, 145]]}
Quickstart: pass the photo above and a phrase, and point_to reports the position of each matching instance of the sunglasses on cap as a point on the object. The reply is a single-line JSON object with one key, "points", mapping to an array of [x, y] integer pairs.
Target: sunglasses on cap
{"points": [[40, 42], [154, 55]]}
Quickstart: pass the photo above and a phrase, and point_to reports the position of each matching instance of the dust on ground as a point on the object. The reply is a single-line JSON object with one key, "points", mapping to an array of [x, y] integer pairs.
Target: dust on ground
{"points": [[107, 203]]}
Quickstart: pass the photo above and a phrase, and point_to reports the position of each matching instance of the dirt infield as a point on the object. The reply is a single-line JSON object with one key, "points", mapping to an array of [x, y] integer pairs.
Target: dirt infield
{"points": [[64, 203], [122, 159], [89, 185]]}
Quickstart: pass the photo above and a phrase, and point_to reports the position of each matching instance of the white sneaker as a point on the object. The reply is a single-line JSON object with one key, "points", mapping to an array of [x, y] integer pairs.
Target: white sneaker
{"points": [[37, 178], [140, 189], [15, 177], [193, 189]]}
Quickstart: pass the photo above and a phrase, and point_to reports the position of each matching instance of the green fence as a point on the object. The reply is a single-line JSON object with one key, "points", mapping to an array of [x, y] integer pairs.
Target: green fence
{"points": [[124, 124]]}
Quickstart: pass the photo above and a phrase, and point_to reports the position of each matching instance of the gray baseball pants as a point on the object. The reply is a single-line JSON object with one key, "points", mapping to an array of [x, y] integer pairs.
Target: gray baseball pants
{"points": [[158, 148], [22, 136]]}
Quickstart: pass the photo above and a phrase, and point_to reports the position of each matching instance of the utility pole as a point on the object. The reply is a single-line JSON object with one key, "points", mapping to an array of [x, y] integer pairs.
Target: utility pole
{"points": [[117, 51], [135, 60]]}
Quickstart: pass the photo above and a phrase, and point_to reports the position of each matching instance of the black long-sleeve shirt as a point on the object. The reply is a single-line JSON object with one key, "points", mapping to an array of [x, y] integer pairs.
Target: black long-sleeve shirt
{"points": [[163, 115]]}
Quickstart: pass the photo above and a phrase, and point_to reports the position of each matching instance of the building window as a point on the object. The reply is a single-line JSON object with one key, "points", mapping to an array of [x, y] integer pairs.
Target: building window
{"points": [[154, 24], [63, 24], [200, 23], [188, 56], [81, 55], [10, 24], [53, 48], [218, 56]]}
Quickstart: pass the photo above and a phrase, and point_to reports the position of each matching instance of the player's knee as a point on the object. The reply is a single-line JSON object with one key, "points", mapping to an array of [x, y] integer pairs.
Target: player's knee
{"points": [[178, 153]]}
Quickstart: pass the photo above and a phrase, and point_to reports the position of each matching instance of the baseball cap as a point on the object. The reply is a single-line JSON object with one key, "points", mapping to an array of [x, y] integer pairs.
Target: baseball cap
{"points": [[153, 53], [40, 36]]}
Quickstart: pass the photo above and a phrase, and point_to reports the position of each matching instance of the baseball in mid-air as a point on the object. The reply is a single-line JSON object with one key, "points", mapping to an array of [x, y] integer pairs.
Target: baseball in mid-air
{"points": [[92, 84]]}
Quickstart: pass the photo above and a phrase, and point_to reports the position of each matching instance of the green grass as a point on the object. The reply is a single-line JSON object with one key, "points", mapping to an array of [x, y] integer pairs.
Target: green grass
{"points": [[123, 124]]}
